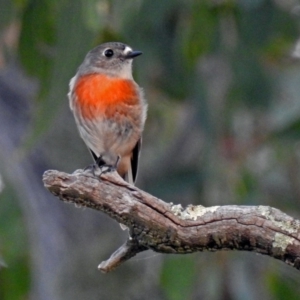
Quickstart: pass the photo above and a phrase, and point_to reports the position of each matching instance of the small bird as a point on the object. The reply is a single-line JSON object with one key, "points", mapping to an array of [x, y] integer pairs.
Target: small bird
{"points": [[109, 107]]}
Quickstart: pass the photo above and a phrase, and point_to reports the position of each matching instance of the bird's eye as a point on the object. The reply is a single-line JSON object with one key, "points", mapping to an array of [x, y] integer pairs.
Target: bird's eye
{"points": [[108, 53]]}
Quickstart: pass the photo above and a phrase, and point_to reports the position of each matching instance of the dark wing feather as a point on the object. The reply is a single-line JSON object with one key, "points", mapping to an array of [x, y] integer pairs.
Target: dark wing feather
{"points": [[94, 155], [100, 162], [135, 158]]}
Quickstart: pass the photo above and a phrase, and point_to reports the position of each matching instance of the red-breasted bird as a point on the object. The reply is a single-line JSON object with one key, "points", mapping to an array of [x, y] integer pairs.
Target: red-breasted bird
{"points": [[109, 107]]}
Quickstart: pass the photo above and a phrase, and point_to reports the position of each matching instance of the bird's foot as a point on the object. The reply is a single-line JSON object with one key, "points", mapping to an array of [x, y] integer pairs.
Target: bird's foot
{"points": [[94, 169], [100, 167], [107, 168], [97, 170]]}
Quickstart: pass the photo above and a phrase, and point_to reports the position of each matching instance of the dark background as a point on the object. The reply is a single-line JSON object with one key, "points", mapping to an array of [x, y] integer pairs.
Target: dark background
{"points": [[222, 79]]}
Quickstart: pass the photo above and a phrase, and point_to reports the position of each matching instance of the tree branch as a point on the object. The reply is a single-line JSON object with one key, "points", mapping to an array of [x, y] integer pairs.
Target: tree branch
{"points": [[167, 228]]}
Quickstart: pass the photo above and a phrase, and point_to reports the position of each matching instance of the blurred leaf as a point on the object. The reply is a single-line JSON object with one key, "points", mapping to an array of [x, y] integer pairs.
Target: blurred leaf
{"points": [[95, 13], [282, 287], [37, 39], [177, 183], [7, 12], [161, 23], [251, 83], [291, 131], [264, 23], [255, 24], [202, 29], [177, 277], [200, 33], [263, 29], [14, 278], [73, 40], [246, 188]]}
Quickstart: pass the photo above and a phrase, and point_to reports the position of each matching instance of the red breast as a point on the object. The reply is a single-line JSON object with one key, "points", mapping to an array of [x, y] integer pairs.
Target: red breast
{"points": [[99, 94]]}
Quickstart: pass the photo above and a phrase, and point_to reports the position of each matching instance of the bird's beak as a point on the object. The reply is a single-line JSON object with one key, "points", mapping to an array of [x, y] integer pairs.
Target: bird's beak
{"points": [[133, 54]]}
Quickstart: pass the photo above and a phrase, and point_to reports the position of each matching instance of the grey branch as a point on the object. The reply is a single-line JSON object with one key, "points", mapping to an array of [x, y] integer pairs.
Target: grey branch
{"points": [[168, 228]]}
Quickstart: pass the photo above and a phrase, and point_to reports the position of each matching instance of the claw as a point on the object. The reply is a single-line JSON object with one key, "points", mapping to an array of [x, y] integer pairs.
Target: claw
{"points": [[107, 168], [101, 166], [93, 168]]}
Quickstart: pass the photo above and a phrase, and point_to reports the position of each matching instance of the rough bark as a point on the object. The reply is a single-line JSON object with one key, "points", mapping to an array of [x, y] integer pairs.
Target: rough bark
{"points": [[168, 228]]}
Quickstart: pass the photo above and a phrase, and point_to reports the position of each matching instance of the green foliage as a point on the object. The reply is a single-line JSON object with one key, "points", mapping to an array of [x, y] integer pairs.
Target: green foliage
{"points": [[183, 44], [52, 53], [14, 275], [290, 131], [282, 287], [251, 82], [262, 25], [202, 31], [6, 12], [177, 278], [71, 34], [37, 39]]}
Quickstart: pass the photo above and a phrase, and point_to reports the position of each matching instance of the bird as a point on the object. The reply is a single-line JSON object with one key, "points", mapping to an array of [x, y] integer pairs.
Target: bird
{"points": [[109, 108]]}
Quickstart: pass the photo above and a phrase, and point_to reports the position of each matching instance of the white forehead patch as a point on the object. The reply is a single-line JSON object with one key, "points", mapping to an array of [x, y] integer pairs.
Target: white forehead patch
{"points": [[127, 50]]}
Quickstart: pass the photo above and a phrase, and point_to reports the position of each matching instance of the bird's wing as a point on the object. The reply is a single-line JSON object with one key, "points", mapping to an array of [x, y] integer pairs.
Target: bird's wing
{"points": [[135, 159], [98, 160]]}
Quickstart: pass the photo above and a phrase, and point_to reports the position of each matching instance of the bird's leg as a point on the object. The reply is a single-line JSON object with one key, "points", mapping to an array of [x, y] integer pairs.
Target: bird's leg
{"points": [[101, 165], [93, 168], [109, 168]]}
